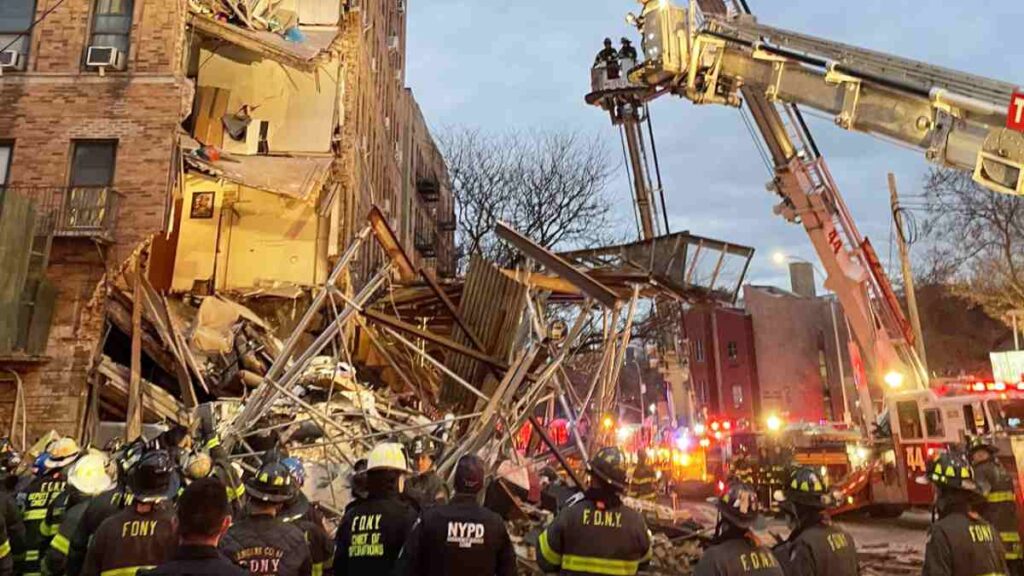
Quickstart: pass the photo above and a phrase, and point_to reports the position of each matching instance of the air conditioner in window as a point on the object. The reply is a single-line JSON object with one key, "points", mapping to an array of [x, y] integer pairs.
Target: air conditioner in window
{"points": [[105, 57], [392, 43], [12, 60]]}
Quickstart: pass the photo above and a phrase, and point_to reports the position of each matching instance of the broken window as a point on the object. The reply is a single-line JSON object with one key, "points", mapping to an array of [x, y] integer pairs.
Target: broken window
{"points": [[112, 24], [92, 163], [16, 27]]}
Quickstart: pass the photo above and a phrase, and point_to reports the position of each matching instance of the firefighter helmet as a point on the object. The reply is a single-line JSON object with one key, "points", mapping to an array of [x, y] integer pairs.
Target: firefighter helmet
{"points": [[421, 446], [60, 453], [609, 464], [272, 483], [198, 465], [387, 456], [153, 479], [805, 487], [739, 504], [976, 443], [10, 460], [950, 470], [89, 474]]}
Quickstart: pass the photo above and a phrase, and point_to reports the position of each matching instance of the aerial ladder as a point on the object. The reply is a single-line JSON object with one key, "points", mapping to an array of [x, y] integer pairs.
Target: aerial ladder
{"points": [[711, 52]]}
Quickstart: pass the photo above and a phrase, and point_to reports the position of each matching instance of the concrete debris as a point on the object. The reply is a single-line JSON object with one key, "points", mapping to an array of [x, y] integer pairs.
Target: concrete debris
{"points": [[889, 560]]}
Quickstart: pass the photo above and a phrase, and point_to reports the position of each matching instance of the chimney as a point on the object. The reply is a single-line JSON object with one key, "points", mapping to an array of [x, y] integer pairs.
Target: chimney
{"points": [[801, 277]]}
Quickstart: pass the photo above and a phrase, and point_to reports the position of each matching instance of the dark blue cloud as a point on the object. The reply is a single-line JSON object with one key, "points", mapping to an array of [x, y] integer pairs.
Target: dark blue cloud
{"points": [[525, 64]]}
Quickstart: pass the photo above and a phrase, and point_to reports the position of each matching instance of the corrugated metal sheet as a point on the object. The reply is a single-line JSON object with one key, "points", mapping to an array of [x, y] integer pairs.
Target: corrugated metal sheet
{"points": [[493, 306]]}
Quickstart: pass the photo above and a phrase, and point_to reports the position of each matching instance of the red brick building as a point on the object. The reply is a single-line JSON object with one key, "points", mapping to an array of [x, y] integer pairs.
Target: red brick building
{"points": [[723, 363]]}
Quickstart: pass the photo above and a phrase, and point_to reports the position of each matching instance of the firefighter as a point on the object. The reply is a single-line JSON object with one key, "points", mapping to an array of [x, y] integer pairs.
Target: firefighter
{"points": [[607, 56], [226, 473], [735, 550], [35, 498], [628, 51], [597, 534], [87, 478], [815, 546], [960, 541], [1000, 508], [742, 468], [460, 538], [144, 534], [204, 516], [644, 485], [104, 505], [10, 464], [307, 516], [372, 532], [426, 485], [357, 483], [263, 542]]}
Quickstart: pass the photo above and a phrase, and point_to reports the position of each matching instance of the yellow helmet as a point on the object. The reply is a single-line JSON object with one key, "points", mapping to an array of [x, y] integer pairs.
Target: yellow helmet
{"points": [[387, 456], [198, 465], [89, 474], [62, 452]]}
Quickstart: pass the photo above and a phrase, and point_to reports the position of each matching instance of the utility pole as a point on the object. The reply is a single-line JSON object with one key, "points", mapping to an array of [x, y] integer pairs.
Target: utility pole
{"points": [[908, 273]]}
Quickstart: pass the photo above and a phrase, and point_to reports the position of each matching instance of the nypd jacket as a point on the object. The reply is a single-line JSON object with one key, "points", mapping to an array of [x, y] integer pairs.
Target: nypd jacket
{"points": [[963, 544], [371, 535], [460, 538], [267, 546], [821, 549], [130, 541], [738, 555], [596, 535]]}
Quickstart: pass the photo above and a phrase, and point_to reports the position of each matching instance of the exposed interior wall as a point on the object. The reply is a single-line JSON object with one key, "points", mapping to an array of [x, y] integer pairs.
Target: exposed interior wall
{"points": [[263, 238], [299, 106]]}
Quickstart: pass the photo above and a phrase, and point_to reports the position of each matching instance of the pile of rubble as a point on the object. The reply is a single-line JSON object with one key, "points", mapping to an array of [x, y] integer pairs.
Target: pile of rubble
{"points": [[263, 15]]}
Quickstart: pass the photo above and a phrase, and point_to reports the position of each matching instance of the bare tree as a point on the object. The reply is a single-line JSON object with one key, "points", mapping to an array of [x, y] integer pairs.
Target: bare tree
{"points": [[977, 241], [548, 185]]}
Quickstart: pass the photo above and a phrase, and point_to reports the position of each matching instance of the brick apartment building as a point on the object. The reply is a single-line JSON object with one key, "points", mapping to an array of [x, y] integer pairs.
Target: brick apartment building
{"points": [[723, 363], [98, 162]]}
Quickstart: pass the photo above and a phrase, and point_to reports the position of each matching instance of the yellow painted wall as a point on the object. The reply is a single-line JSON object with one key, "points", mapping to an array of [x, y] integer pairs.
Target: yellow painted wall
{"points": [[300, 110], [264, 238]]}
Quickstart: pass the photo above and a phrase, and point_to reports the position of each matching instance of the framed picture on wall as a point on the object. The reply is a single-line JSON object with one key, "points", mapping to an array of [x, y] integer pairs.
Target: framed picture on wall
{"points": [[202, 205]]}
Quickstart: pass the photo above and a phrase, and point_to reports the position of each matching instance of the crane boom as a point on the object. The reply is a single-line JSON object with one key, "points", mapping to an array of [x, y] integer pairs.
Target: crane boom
{"points": [[708, 56]]}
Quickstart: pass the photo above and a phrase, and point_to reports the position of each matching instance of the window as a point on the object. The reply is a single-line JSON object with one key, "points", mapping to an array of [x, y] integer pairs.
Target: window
{"points": [[698, 350], [974, 418], [6, 151], [910, 420], [112, 24], [733, 350], [737, 395], [92, 163], [16, 25], [933, 423]]}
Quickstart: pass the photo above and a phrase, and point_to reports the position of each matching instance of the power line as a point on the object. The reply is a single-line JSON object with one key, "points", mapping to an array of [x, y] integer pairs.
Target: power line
{"points": [[34, 24]]}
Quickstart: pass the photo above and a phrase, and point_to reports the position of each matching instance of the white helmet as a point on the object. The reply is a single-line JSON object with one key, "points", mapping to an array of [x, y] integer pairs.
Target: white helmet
{"points": [[387, 456], [89, 474]]}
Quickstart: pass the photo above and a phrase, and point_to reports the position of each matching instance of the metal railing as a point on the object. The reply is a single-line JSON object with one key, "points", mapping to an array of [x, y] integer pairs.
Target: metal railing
{"points": [[75, 211]]}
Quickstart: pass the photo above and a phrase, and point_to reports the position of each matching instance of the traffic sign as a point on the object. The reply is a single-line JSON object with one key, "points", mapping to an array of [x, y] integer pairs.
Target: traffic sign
{"points": [[1015, 117]]}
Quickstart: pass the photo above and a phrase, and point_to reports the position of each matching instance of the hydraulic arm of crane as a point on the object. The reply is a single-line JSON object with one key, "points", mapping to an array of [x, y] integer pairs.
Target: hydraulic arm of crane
{"points": [[956, 119], [710, 57]]}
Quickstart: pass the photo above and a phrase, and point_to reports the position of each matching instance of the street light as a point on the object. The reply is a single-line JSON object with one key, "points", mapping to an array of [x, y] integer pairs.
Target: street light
{"points": [[781, 258], [774, 423], [894, 380]]}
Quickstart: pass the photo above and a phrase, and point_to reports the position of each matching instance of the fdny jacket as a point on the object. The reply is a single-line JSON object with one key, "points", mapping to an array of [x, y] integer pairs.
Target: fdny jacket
{"points": [[371, 535], [96, 512], [55, 561], [198, 561], [267, 546], [645, 483], [308, 518], [819, 550], [1000, 509], [738, 555], [130, 541], [596, 535], [963, 544], [34, 501], [460, 538]]}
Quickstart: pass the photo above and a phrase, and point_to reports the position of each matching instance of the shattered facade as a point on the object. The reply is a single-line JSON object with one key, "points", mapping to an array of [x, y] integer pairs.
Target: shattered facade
{"points": [[226, 151]]}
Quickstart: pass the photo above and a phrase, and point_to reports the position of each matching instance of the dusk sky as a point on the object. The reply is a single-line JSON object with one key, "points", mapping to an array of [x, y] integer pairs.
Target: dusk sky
{"points": [[525, 65]]}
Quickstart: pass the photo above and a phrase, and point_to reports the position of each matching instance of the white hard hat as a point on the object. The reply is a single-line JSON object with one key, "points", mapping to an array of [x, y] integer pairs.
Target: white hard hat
{"points": [[89, 474], [387, 456]]}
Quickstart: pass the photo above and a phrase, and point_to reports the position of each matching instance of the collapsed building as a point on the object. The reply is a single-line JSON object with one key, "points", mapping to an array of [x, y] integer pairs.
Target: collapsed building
{"points": [[210, 148]]}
